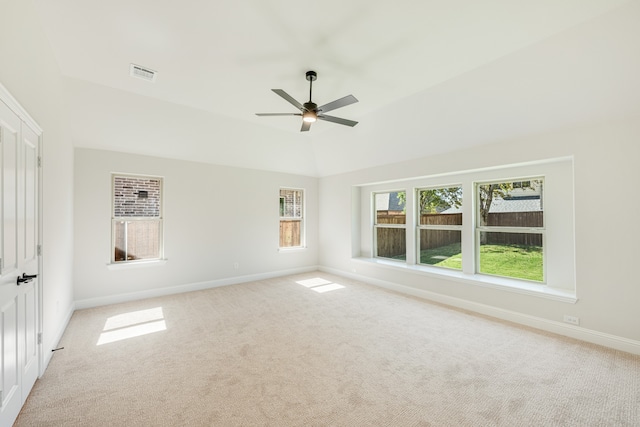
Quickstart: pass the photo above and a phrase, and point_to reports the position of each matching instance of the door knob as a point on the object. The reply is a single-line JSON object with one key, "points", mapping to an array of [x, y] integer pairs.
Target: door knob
{"points": [[25, 278]]}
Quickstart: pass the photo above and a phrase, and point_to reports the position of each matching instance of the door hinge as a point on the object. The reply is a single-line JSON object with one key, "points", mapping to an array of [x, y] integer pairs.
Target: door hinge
{"points": [[39, 161], [39, 250], [39, 337]]}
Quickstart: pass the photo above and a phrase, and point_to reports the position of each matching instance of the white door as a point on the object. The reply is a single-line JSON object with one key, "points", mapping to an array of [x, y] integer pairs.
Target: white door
{"points": [[19, 294]]}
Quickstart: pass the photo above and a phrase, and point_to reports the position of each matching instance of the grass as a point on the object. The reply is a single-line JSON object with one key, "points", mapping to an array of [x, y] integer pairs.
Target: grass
{"points": [[434, 256], [520, 262]]}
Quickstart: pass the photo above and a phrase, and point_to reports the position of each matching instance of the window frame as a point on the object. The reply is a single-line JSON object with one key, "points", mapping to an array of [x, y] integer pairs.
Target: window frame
{"points": [[377, 226], [445, 227], [159, 219], [559, 223], [479, 228], [301, 218]]}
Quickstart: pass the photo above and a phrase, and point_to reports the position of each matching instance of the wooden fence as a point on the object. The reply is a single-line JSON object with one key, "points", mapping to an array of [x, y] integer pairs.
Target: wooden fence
{"points": [[391, 242], [289, 233]]}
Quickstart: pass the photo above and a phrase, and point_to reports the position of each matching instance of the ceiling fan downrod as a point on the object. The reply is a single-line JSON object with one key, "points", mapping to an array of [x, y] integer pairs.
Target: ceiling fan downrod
{"points": [[311, 77], [310, 114]]}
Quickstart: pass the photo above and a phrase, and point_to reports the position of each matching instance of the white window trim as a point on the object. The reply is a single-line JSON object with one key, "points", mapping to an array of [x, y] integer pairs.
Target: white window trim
{"points": [[122, 265], [434, 227], [302, 218], [559, 224], [496, 229], [376, 226], [483, 280], [139, 262]]}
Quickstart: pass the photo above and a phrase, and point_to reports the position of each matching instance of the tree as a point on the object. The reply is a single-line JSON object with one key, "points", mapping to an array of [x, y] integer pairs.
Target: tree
{"points": [[440, 199], [487, 193], [436, 200], [504, 190]]}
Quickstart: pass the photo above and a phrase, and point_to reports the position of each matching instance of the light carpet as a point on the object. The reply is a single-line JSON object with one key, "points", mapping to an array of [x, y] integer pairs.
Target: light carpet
{"points": [[321, 350]]}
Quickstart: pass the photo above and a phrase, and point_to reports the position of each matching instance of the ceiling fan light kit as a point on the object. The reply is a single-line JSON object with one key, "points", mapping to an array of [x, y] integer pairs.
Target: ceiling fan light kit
{"points": [[310, 111], [309, 116]]}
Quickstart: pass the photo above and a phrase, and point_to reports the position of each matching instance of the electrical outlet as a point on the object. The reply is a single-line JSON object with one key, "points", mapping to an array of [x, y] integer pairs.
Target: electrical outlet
{"points": [[572, 319]]}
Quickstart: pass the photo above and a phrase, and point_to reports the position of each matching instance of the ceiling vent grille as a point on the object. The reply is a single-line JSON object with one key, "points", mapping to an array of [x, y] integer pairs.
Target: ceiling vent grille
{"points": [[142, 73]]}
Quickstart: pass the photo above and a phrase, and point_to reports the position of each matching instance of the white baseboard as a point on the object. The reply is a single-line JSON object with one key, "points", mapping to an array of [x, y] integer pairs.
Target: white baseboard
{"points": [[52, 344], [190, 287], [577, 332]]}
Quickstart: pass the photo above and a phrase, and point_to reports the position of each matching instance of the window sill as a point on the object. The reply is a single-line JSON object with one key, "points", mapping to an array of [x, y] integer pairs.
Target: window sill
{"points": [[135, 264], [293, 249], [517, 286]]}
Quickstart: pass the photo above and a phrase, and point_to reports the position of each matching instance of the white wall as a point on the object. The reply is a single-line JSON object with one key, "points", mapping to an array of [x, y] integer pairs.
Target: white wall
{"points": [[30, 73], [214, 216], [607, 229]]}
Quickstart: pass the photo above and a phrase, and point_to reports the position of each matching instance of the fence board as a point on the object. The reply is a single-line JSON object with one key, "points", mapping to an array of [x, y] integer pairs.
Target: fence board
{"points": [[289, 233], [392, 242]]}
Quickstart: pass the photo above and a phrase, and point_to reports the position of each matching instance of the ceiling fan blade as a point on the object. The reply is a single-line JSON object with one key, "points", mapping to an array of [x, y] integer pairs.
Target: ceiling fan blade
{"points": [[305, 126], [338, 103], [338, 120], [288, 98], [278, 114]]}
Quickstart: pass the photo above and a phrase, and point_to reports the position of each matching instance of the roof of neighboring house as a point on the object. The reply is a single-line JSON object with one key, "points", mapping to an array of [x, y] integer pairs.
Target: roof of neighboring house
{"points": [[513, 204], [395, 204]]}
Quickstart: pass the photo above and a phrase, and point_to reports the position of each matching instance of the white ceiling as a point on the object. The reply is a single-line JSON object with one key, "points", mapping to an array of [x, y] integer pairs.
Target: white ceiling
{"points": [[431, 76]]}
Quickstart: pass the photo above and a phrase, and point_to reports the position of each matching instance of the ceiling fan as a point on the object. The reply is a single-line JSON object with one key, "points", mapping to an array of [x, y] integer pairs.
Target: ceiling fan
{"points": [[310, 111]]}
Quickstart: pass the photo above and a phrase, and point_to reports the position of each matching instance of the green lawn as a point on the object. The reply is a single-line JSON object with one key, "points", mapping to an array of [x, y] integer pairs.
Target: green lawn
{"points": [[520, 262], [434, 256]]}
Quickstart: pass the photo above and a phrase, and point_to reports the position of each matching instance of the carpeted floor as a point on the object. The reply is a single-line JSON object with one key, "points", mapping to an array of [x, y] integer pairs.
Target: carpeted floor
{"points": [[303, 351]]}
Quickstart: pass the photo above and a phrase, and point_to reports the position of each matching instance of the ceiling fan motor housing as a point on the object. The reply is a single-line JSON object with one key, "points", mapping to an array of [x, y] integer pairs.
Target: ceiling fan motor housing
{"points": [[310, 106]]}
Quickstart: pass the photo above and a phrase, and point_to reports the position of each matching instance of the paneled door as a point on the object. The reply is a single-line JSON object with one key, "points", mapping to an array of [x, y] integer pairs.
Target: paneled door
{"points": [[19, 292]]}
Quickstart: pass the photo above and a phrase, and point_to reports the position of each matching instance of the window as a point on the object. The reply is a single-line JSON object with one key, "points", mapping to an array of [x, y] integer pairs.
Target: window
{"points": [[440, 227], [291, 218], [137, 218], [510, 229], [390, 225]]}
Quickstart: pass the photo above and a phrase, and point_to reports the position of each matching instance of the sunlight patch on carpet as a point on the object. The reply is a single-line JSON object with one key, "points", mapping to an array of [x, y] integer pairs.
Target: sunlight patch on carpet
{"points": [[310, 283], [327, 288], [319, 285], [133, 324]]}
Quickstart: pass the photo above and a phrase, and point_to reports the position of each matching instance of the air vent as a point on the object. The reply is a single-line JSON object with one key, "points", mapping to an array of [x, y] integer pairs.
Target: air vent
{"points": [[142, 73]]}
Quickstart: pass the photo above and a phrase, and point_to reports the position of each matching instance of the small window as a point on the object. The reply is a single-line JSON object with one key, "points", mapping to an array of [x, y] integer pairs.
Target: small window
{"points": [[136, 218], [510, 229], [440, 227], [291, 218], [390, 221]]}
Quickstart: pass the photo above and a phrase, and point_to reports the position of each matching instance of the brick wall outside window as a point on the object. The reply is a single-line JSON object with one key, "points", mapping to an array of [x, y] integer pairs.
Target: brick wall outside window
{"points": [[128, 201], [137, 218]]}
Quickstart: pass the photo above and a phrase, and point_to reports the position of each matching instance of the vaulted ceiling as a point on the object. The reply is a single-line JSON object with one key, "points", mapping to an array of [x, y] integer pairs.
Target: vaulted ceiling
{"points": [[431, 76]]}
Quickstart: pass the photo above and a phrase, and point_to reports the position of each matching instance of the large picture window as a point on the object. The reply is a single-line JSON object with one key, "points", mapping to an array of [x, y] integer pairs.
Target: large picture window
{"points": [[390, 225], [510, 229], [136, 218], [440, 227], [291, 218]]}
